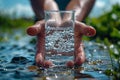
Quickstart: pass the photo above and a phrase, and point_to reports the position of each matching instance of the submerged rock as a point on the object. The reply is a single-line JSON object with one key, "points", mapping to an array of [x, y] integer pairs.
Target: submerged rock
{"points": [[19, 60]]}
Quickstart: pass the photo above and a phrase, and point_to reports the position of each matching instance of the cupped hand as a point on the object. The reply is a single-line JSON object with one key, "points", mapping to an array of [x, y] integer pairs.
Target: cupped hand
{"points": [[80, 29]]}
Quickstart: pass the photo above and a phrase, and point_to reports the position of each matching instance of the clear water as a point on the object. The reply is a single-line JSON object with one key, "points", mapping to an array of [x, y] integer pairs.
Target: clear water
{"points": [[59, 44], [18, 45]]}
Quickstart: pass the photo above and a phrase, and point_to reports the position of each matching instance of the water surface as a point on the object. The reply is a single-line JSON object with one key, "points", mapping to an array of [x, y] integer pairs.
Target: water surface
{"points": [[17, 61]]}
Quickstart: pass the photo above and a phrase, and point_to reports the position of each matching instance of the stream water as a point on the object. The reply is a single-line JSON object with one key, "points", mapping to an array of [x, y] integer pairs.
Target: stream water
{"points": [[17, 61]]}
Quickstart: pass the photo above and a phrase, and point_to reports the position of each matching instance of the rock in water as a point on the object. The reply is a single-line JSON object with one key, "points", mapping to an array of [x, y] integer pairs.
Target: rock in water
{"points": [[19, 60]]}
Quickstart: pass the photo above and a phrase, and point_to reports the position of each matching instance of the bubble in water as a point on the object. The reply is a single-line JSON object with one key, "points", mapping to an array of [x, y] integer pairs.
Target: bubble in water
{"points": [[60, 42]]}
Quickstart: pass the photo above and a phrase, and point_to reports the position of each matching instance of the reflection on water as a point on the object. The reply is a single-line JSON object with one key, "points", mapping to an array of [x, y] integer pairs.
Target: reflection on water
{"points": [[17, 59]]}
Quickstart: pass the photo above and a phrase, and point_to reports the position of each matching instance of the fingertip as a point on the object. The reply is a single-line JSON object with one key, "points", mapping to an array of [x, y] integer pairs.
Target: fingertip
{"points": [[39, 60], [31, 31], [79, 61], [89, 31], [70, 64], [47, 64], [39, 63], [93, 31], [85, 29]]}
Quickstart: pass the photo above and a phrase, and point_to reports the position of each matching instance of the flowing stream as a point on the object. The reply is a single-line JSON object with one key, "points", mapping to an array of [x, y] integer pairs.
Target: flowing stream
{"points": [[17, 61]]}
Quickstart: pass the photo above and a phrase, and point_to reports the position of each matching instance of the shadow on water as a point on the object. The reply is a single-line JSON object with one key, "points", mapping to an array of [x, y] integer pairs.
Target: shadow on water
{"points": [[17, 59]]}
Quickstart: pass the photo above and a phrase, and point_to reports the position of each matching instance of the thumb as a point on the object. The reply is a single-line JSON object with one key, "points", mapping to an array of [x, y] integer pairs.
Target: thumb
{"points": [[36, 28], [83, 29]]}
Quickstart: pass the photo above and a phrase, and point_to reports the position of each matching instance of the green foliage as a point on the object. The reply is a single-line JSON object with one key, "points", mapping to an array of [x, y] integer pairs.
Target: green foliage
{"points": [[107, 25], [10, 25], [108, 32], [7, 23]]}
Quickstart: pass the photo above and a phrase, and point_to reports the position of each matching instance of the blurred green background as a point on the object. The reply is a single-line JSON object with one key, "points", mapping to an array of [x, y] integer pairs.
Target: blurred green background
{"points": [[108, 32], [106, 22]]}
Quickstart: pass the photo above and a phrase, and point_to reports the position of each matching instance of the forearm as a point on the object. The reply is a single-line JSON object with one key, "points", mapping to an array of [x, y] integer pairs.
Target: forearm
{"points": [[82, 8], [39, 6]]}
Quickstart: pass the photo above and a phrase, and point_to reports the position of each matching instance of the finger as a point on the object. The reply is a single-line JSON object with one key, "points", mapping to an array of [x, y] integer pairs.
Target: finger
{"points": [[40, 47], [70, 64], [83, 29], [39, 59], [89, 31], [80, 56], [48, 64], [35, 29]]}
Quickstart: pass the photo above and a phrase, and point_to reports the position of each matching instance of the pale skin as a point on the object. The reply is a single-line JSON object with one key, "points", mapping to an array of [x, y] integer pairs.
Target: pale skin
{"points": [[82, 9]]}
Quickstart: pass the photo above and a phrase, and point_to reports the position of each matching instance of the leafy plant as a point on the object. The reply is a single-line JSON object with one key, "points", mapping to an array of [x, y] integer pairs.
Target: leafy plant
{"points": [[108, 32]]}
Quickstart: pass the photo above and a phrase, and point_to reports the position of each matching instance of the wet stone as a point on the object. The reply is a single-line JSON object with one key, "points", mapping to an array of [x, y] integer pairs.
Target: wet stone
{"points": [[2, 47], [30, 50], [19, 60], [15, 46]]}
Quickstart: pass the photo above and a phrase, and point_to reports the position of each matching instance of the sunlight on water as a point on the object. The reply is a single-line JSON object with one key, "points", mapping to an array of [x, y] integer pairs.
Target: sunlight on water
{"points": [[16, 62]]}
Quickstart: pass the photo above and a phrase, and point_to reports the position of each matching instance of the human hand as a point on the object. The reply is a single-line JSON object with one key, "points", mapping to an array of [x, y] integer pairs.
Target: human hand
{"points": [[80, 30], [38, 30]]}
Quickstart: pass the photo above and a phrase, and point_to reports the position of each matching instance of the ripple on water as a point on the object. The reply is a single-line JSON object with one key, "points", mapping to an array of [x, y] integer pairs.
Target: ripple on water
{"points": [[97, 62]]}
